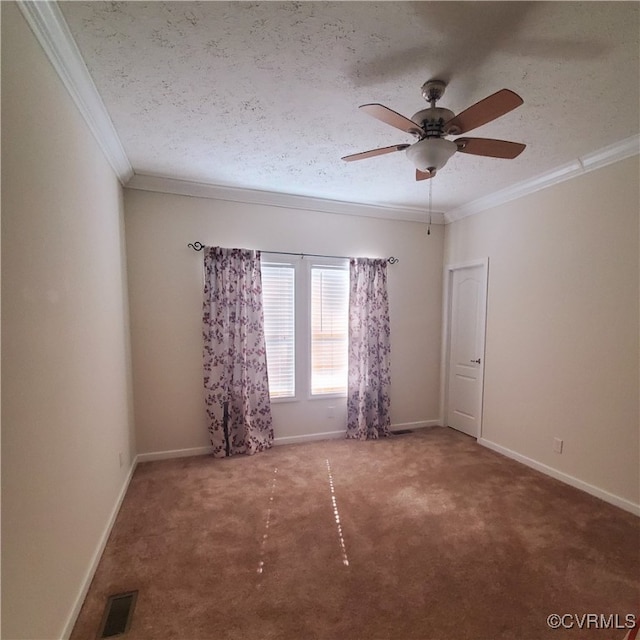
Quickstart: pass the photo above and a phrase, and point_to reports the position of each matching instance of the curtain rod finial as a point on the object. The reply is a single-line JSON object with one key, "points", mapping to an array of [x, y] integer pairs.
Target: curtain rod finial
{"points": [[197, 246]]}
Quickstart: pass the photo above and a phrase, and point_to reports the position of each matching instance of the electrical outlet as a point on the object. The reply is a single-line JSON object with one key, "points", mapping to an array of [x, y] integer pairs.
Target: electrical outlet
{"points": [[331, 413], [557, 445], [121, 458]]}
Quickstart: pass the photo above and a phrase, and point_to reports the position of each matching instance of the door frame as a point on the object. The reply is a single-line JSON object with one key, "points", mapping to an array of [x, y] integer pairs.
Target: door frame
{"points": [[447, 290]]}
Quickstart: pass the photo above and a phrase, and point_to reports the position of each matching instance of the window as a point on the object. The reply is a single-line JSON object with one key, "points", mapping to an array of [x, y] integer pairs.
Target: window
{"points": [[306, 306], [329, 329], [278, 295]]}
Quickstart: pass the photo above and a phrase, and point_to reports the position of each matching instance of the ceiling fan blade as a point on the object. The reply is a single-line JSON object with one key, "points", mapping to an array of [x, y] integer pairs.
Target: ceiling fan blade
{"points": [[388, 116], [489, 147], [486, 110], [424, 175], [375, 152]]}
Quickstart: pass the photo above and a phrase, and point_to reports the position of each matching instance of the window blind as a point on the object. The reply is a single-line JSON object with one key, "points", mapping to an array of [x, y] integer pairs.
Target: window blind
{"points": [[329, 329], [278, 296]]}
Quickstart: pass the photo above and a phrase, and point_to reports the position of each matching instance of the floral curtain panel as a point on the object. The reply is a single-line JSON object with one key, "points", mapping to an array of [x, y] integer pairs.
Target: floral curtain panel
{"points": [[235, 361], [368, 403]]}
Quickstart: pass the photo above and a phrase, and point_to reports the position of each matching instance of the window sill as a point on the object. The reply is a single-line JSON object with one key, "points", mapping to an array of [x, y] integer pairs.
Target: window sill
{"points": [[327, 396], [283, 400]]}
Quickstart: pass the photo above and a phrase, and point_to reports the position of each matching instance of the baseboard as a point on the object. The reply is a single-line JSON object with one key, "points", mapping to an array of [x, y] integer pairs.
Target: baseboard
{"points": [[173, 453], [415, 425], [611, 498], [329, 435], [305, 437], [95, 560], [309, 437]]}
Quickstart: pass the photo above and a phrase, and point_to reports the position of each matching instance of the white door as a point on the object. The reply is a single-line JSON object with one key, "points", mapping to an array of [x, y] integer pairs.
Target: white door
{"points": [[467, 313]]}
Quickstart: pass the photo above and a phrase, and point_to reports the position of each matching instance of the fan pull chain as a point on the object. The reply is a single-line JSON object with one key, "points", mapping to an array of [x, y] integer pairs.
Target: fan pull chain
{"points": [[430, 205]]}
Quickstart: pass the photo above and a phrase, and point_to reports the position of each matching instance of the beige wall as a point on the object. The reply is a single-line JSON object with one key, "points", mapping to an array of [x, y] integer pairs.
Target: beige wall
{"points": [[562, 327], [165, 283], [65, 376]]}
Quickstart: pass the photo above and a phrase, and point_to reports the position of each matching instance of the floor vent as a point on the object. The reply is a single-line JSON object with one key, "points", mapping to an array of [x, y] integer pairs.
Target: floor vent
{"points": [[117, 614], [402, 432]]}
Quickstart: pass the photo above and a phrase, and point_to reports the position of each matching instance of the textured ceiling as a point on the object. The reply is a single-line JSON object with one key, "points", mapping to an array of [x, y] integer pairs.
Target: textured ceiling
{"points": [[265, 95]]}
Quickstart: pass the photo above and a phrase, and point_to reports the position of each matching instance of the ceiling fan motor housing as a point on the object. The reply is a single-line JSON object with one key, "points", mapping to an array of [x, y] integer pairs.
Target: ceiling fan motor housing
{"points": [[432, 120]]}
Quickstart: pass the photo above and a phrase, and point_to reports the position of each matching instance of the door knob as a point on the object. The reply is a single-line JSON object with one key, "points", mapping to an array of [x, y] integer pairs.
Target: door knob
{"points": [[476, 361]]}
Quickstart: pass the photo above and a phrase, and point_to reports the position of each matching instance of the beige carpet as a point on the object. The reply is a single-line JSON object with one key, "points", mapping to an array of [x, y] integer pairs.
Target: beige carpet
{"points": [[423, 536]]}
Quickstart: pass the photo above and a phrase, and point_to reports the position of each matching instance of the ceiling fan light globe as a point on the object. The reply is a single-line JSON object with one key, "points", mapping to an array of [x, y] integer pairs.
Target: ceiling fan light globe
{"points": [[431, 153]]}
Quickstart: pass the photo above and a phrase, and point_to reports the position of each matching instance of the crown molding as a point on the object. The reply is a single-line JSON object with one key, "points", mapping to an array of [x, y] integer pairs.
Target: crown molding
{"points": [[51, 30], [163, 184], [584, 164]]}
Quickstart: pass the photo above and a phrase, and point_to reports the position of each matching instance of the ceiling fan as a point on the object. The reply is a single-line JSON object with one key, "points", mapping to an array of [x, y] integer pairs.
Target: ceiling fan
{"points": [[432, 150]]}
